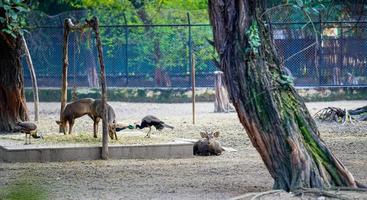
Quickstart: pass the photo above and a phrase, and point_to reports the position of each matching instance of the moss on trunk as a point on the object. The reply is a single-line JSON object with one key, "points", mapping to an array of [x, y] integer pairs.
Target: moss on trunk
{"points": [[273, 114]]}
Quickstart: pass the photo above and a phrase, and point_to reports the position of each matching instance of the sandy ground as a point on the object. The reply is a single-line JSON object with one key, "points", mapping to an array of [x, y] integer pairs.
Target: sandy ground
{"points": [[219, 177]]}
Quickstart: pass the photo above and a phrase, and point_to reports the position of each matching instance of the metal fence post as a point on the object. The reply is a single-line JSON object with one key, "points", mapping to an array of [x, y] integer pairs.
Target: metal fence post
{"points": [[190, 47], [126, 47], [341, 42], [320, 51]]}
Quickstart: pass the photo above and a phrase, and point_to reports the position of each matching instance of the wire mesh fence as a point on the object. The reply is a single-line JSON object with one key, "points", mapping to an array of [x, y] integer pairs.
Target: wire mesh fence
{"points": [[160, 55]]}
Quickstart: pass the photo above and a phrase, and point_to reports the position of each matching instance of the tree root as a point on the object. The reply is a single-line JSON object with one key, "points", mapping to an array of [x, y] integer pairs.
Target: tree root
{"points": [[319, 192], [266, 193], [334, 114]]}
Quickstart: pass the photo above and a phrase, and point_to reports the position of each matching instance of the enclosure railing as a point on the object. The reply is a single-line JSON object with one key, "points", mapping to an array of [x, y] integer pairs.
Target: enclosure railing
{"points": [[159, 55]]}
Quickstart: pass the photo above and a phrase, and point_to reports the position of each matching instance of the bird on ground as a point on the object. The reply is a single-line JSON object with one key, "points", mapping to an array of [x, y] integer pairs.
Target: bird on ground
{"points": [[149, 121], [30, 130]]}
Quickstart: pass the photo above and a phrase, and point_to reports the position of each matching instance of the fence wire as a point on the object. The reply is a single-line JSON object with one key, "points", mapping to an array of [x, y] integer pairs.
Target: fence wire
{"points": [[159, 55]]}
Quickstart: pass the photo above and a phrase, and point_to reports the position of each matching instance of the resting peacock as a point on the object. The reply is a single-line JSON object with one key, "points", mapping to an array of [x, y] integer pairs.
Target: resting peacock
{"points": [[149, 121]]}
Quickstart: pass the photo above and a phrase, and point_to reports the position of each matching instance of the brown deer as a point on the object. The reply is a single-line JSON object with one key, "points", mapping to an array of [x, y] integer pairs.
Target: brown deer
{"points": [[92, 108], [73, 111], [96, 115], [208, 145]]}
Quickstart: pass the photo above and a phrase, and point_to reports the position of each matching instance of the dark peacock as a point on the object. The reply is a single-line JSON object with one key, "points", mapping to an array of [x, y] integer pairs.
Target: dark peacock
{"points": [[149, 121], [29, 128]]}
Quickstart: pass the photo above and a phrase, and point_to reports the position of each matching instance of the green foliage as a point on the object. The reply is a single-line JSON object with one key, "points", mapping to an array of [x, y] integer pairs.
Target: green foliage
{"points": [[309, 6], [13, 21], [173, 41], [253, 37]]}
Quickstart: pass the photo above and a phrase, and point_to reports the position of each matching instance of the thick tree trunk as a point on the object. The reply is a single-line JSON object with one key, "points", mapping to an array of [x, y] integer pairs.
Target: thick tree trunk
{"points": [[273, 114], [12, 100]]}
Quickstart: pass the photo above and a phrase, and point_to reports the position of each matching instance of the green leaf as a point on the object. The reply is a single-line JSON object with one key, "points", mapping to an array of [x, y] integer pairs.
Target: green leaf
{"points": [[21, 9], [299, 3], [6, 7]]}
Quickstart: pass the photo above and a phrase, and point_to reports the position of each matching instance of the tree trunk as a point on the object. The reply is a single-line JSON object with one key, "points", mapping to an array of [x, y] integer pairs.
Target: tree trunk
{"points": [[94, 23], [13, 106], [273, 114], [221, 102], [91, 66], [161, 77]]}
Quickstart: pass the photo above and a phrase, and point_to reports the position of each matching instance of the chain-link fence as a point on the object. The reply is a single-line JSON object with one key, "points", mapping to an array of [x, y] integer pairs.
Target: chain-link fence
{"points": [[160, 55], [334, 54]]}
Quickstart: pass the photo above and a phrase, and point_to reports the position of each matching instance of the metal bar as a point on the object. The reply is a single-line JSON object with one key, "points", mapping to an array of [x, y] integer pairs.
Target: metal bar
{"points": [[341, 49], [129, 26], [192, 25], [190, 46], [192, 66], [320, 50], [126, 47]]}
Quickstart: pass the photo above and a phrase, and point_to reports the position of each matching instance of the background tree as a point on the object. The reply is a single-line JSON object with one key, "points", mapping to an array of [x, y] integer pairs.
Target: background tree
{"points": [[12, 101], [153, 49], [273, 114]]}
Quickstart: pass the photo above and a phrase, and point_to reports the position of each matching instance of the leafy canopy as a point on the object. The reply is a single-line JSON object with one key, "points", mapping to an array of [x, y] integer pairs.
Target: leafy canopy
{"points": [[12, 16]]}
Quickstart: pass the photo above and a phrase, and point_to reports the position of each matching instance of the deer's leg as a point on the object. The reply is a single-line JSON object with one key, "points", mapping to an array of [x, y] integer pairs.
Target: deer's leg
{"points": [[95, 127], [114, 132], [63, 125], [71, 124]]}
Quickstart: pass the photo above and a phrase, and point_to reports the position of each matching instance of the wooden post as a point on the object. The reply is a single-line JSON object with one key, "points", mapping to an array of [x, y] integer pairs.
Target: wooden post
{"points": [[33, 78], [94, 23], [193, 87], [221, 102], [65, 59]]}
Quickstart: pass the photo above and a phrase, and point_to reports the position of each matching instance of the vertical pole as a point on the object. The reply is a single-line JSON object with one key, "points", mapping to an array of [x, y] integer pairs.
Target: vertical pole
{"points": [[126, 47], [64, 71], [192, 66], [341, 42], [95, 25], [193, 88], [320, 51], [190, 46], [33, 78]]}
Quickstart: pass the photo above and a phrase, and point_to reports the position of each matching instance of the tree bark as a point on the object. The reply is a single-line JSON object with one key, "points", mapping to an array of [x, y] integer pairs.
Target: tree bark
{"points": [[65, 64], [221, 102], [94, 23], [273, 114], [13, 106]]}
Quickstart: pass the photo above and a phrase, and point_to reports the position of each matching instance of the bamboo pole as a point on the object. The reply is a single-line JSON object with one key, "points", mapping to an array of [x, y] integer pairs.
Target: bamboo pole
{"points": [[33, 78], [94, 23]]}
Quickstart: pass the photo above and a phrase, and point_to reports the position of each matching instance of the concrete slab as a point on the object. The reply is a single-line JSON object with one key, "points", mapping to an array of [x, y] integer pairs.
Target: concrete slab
{"points": [[14, 152]]}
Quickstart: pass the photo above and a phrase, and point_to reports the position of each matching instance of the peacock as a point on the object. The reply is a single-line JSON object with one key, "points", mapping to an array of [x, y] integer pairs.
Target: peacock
{"points": [[30, 129], [149, 121]]}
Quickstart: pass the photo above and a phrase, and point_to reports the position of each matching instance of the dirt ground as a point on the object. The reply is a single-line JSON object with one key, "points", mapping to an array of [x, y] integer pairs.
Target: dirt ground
{"points": [[218, 177]]}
